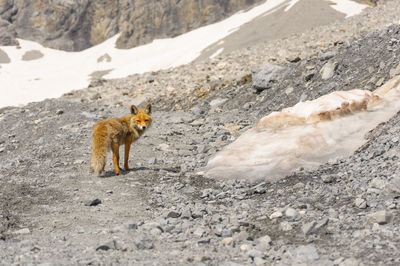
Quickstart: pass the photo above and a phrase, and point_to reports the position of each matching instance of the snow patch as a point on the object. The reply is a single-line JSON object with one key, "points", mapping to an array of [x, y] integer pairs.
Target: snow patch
{"points": [[216, 53], [350, 8], [291, 4], [305, 136]]}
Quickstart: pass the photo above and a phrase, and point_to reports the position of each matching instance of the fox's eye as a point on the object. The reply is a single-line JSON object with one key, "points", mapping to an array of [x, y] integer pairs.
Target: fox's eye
{"points": [[146, 120], [137, 121]]}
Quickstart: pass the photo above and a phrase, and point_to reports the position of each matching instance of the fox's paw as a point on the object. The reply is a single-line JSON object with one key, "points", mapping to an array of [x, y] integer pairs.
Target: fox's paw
{"points": [[127, 168], [96, 173]]}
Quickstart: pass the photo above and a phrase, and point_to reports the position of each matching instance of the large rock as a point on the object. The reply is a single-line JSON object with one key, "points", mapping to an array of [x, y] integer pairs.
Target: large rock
{"points": [[265, 76], [76, 25], [7, 34]]}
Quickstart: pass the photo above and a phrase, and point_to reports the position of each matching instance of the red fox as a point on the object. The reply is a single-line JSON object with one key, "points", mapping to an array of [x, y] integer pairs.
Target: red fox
{"points": [[111, 133]]}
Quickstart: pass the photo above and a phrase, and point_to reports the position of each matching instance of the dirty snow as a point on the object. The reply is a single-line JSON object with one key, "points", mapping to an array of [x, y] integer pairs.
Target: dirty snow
{"points": [[268, 153]]}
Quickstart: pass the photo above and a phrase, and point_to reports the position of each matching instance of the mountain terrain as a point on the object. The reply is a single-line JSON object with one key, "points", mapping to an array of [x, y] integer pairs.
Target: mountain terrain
{"points": [[77, 25], [29, 67], [165, 211]]}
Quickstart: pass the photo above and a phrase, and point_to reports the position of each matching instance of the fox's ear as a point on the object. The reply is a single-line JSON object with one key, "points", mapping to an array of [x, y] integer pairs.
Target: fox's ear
{"points": [[148, 108], [134, 110]]}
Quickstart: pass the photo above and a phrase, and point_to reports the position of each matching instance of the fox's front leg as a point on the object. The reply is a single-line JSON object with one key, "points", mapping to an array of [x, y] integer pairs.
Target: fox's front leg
{"points": [[128, 142], [115, 150]]}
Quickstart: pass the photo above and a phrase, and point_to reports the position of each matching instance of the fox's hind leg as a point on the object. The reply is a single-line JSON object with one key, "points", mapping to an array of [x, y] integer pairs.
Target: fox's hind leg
{"points": [[115, 151], [128, 142]]}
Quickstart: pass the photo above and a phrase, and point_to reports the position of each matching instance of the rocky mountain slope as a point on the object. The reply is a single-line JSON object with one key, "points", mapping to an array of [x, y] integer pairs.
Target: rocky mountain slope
{"points": [[345, 212], [76, 25], [182, 87]]}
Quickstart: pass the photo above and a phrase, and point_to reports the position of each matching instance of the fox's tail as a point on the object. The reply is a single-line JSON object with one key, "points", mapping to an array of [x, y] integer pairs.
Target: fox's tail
{"points": [[99, 151]]}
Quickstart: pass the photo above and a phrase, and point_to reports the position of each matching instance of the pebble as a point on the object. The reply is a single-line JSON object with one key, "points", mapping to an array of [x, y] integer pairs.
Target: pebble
{"points": [[308, 227], [113, 245], [327, 178], [95, 96], [93, 202], [378, 183], [285, 226], [150, 78], [186, 214], [152, 160], [228, 241], [173, 214], [380, 217], [289, 90], [241, 236], [199, 232], [259, 261], [305, 254], [263, 243], [394, 186], [322, 223], [328, 70], [23, 231], [292, 214], [226, 233], [360, 203], [163, 147], [155, 231], [349, 262], [143, 242], [323, 56]]}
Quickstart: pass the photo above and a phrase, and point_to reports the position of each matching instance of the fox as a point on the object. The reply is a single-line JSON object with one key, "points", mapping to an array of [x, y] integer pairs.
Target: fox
{"points": [[111, 133]]}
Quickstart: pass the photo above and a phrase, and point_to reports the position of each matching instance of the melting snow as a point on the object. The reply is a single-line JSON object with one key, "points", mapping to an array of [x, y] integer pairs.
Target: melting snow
{"points": [[217, 52], [306, 135], [291, 4], [347, 7]]}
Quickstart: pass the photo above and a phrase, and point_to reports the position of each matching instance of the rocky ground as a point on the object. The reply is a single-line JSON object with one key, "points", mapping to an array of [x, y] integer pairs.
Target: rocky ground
{"points": [[53, 211]]}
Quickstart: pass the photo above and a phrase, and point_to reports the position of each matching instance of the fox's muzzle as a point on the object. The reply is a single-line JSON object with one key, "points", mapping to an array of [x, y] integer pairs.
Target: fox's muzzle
{"points": [[140, 127]]}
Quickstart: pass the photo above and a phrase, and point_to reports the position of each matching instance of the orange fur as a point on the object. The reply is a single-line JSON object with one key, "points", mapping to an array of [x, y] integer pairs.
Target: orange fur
{"points": [[111, 133]]}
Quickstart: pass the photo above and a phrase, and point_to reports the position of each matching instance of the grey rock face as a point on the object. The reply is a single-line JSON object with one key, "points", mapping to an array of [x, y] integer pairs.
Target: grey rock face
{"points": [[76, 25], [7, 34]]}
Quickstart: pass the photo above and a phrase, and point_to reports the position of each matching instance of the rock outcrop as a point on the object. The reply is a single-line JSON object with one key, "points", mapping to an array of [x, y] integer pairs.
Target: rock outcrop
{"points": [[76, 25], [7, 33]]}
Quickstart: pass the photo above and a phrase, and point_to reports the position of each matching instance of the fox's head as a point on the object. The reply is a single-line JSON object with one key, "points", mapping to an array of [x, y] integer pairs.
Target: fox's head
{"points": [[141, 117]]}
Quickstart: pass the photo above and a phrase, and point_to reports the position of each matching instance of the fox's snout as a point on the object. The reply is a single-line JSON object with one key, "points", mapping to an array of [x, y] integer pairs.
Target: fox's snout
{"points": [[141, 118]]}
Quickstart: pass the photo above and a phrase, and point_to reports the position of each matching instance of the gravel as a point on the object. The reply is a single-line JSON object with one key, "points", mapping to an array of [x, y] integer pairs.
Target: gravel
{"points": [[164, 211]]}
